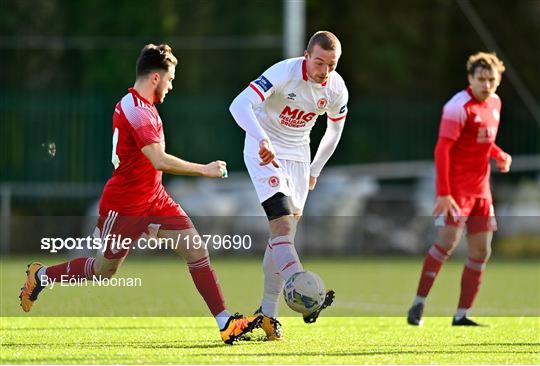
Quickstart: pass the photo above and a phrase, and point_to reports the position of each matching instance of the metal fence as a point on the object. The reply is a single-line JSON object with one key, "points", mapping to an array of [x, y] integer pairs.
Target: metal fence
{"points": [[67, 137]]}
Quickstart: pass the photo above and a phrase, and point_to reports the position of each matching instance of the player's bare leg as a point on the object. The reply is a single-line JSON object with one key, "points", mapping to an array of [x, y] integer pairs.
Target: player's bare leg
{"points": [[231, 326], [448, 238], [106, 268], [479, 251]]}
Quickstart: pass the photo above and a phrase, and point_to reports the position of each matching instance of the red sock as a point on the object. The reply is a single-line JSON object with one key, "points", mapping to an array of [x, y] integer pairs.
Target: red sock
{"points": [[82, 267], [470, 282], [206, 282], [432, 265]]}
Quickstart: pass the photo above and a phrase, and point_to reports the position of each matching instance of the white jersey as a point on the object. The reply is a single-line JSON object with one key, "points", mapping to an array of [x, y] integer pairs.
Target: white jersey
{"points": [[291, 104]]}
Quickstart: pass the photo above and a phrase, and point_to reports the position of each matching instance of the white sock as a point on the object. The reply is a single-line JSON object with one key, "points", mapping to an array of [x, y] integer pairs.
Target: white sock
{"points": [[460, 313], [419, 300], [273, 285], [285, 257], [41, 274], [222, 319]]}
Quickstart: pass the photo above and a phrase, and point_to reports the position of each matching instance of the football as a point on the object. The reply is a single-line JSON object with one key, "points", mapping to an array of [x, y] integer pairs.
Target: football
{"points": [[304, 292]]}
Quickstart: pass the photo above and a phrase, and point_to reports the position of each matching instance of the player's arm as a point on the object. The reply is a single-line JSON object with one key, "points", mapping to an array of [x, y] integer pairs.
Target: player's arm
{"points": [[242, 109], [445, 205], [327, 146], [502, 159], [452, 122], [171, 164], [335, 122]]}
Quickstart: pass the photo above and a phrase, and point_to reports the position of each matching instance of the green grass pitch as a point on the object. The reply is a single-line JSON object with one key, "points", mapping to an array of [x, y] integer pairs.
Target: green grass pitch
{"points": [[164, 321]]}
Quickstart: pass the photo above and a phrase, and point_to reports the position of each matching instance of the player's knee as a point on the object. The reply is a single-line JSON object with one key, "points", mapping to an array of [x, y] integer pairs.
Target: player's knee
{"points": [[281, 226], [105, 272], [195, 252], [449, 240], [277, 206], [450, 246], [481, 253]]}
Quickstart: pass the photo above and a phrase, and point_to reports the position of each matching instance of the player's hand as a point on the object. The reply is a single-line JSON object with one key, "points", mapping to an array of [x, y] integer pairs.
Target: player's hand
{"points": [[215, 169], [447, 207], [267, 154], [504, 164], [312, 182]]}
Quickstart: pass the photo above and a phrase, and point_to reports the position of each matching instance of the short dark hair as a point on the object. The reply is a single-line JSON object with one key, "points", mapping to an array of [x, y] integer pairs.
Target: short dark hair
{"points": [[484, 60], [326, 40], [155, 58]]}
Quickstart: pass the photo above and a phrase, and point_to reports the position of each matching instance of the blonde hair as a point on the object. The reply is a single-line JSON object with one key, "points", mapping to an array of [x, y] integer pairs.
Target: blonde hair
{"points": [[484, 60]]}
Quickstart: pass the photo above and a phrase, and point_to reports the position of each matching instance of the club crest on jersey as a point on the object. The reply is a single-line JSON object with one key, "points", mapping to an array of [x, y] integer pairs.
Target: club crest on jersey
{"points": [[496, 114], [321, 103], [273, 181], [263, 83]]}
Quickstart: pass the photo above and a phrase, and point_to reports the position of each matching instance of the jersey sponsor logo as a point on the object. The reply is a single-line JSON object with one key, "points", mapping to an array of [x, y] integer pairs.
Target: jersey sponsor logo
{"points": [[486, 134], [263, 83], [295, 117], [291, 96], [273, 181], [343, 109], [321, 103]]}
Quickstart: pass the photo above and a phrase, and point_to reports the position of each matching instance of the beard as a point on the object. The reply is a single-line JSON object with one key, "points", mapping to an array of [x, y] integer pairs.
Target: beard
{"points": [[318, 78], [159, 96]]}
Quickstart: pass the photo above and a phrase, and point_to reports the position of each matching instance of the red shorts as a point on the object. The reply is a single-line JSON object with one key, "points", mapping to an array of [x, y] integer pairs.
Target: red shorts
{"points": [[163, 212], [477, 213]]}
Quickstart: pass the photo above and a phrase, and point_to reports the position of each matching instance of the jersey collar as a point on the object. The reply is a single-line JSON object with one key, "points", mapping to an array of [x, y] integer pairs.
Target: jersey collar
{"points": [[304, 72], [133, 91]]}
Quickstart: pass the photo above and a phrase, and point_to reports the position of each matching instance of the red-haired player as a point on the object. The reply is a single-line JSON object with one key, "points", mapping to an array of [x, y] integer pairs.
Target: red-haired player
{"points": [[466, 143]]}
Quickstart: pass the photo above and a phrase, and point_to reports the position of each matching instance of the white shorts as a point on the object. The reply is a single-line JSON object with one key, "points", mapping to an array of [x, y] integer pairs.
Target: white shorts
{"points": [[291, 179]]}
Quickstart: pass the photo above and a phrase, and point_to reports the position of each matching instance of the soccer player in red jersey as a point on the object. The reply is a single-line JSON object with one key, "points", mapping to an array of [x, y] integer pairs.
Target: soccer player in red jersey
{"points": [[134, 197], [466, 143]]}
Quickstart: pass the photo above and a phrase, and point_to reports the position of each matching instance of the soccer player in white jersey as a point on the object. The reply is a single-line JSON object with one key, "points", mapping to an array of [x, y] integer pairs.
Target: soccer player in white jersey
{"points": [[278, 111]]}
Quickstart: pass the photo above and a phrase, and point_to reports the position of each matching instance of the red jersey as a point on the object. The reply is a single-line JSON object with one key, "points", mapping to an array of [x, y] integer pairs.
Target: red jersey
{"points": [[135, 183], [472, 125]]}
